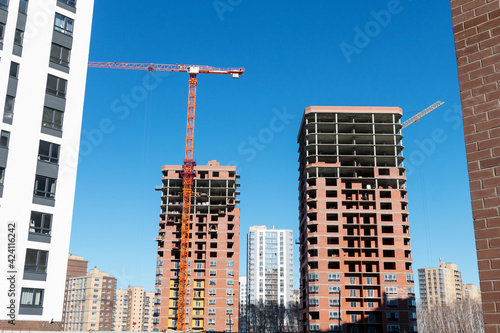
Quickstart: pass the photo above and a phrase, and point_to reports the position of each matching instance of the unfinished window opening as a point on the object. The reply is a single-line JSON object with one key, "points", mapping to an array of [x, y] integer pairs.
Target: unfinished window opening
{"points": [[312, 227], [332, 228], [350, 231], [200, 256], [408, 266], [368, 244], [389, 266], [406, 241], [332, 217], [332, 240], [213, 254], [313, 253], [350, 243], [213, 235], [311, 182], [401, 171], [403, 194], [313, 265], [404, 205], [352, 268], [333, 253], [312, 216], [386, 206], [203, 174], [232, 174], [348, 185], [230, 226], [230, 254], [230, 236], [387, 241], [230, 218], [366, 219], [383, 172], [407, 254], [314, 315], [331, 205], [213, 245], [389, 253], [331, 194], [350, 219], [387, 229], [406, 229], [311, 205], [369, 268], [351, 253], [367, 232], [331, 182], [230, 245], [313, 241], [312, 194], [386, 218], [215, 174], [214, 218], [333, 265], [385, 194]]}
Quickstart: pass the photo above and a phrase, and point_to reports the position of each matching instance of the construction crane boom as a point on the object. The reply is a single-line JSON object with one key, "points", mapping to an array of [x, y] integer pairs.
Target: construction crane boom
{"points": [[189, 163], [422, 113]]}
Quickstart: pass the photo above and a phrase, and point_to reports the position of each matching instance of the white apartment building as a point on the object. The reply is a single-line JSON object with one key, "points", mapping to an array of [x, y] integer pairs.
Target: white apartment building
{"points": [[44, 49], [269, 265]]}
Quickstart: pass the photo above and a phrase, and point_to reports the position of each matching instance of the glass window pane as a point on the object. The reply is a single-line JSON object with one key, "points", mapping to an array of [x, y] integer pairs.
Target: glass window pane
{"points": [[30, 257], [58, 119], [44, 151]]}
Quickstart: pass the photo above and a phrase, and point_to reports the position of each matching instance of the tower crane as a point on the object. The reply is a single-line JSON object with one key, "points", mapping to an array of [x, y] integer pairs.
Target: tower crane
{"points": [[189, 163], [422, 113]]}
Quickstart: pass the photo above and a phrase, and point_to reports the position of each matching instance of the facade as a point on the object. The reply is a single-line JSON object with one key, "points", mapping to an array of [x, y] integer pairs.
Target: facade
{"points": [[443, 285], [77, 267], [269, 265], [355, 254], [133, 310], [296, 296], [214, 256], [475, 26], [44, 48], [242, 316], [89, 303]]}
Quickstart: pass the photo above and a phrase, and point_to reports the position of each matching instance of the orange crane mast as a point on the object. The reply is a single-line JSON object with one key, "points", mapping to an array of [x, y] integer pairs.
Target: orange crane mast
{"points": [[189, 163]]}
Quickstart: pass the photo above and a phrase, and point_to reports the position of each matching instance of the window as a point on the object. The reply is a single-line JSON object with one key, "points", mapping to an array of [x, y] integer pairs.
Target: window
{"points": [[314, 302], [48, 152], [60, 55], [4, 139], [36, 260], [335, 328], [213, 263], [370, 293], [392, 302], [313, 277], [2, 175], [213, 273], [334, 315], [52, 118], [230, 263], [352, 280], [45, 186], [230, 282], [229, 311], [229, 321], [211, 292], [333, 289], [229, 301], [211, 282], [391, 290], [9, 106], [314, 327], [71, 3], [334, 302], [410, 290], [230, 273], [352, 292], [370, 304], [333, 277], [211, 311], [31, 297], [354, 318], [23, 6], [19, 37], [4, 4], [211, 301], [229, 292], [14, 69], [392, 328], [40, 223], [313, 289], [63, 24], [390, 277], [369, 280], [211, 321], [56, 86]]}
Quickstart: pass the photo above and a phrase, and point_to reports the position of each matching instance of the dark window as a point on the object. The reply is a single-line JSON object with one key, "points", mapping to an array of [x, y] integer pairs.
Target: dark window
{"points": [[9, 106], [2, 173], [40, 223], [63, 24], [71, 3], [31, 297], [48, 152], [19, 37], [60, 55], [2, 30], [45, 186], [4, 4], [4, 139], [56, 86], [52, 118], [36, 260], [14, 69], [23, 6]]}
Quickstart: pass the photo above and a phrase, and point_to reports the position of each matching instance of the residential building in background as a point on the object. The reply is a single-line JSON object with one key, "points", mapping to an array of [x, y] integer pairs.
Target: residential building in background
{"points": [[355, 255], [42, 86], [443, 285], [475, 26], [77, 267], [90, 301], [133, 310], [296, 296], [269, 265], [213, 276], [243, 295]]}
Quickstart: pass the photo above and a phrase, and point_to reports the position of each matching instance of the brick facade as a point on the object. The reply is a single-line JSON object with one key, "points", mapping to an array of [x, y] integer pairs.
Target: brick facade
{"points": [[476, 26], [31, 325]]}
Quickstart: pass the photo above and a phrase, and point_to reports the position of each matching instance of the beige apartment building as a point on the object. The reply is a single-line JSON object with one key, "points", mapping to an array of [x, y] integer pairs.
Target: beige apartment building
{"points": [[133, 310], [120, 311], [89, 302], [443, 285]]}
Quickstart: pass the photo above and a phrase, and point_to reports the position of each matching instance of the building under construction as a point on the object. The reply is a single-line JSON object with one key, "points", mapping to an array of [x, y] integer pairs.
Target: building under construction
{"points": [[355, 254], [212, 284]]}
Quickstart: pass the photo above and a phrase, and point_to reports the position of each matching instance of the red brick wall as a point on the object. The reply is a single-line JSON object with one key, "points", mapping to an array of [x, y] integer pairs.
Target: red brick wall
{"points": [[25, 325], [476, 26]]}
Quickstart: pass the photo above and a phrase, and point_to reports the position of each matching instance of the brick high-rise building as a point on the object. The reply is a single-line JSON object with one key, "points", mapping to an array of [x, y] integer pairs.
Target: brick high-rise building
{"points": [[44, 47], [214, 250], [355, 254], [90, 300], [477, 44], [77, 267]]}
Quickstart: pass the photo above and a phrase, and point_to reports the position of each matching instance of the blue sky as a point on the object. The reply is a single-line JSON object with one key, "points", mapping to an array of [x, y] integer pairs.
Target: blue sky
{"points": [[296, 54]]}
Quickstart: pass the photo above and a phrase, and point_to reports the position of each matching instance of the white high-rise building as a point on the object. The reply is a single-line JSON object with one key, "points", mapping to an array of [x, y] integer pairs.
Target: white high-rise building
{"points": [[44, 49], [269, 265]]}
